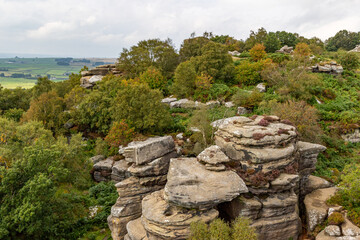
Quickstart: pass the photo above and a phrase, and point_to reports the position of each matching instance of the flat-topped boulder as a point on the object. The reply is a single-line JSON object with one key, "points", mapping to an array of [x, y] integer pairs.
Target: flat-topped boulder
{"points": [[167, 221], [191, 185], [316, 207], [145, 151]]}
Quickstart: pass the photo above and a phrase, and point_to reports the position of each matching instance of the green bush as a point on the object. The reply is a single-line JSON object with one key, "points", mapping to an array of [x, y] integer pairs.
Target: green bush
{"points": [[336, 218], [14, 114], [247, 99], [142, 108], [153, 78], [219, 230], [249, 73], [350, 61]]}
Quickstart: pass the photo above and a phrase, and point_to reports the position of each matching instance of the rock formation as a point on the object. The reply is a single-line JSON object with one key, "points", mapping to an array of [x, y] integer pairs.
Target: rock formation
{"points": [[257, 169], [330, 68], [147, 165], [286, 49], [356, 49], [89, 78]]}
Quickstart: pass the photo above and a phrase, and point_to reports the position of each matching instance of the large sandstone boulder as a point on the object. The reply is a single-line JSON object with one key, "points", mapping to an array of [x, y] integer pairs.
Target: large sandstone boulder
{"points": [[191, 185], [316, 207], [148, 150], [167, 221]]}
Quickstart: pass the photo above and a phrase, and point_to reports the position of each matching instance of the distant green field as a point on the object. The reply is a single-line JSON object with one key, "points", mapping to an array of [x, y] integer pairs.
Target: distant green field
{"points": [[35, 67]]}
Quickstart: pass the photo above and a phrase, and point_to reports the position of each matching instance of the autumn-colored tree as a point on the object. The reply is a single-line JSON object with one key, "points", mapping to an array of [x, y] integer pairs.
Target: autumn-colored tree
{"points": [[153, 77], [47, 108], [203, 81], [302, 50], [257, 52], [120, 134]]}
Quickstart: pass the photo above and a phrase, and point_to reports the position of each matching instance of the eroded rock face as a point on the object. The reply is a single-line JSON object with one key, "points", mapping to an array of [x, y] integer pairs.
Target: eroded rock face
{"points": [[191, 185], [316, 207], [167, 221], [89, 78], [353, 137]]}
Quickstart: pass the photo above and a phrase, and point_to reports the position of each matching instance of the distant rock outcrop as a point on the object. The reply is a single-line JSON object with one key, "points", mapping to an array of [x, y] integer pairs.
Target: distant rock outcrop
{"points": [[330, 68], [356, 49], [89, 78], [286, 49]]}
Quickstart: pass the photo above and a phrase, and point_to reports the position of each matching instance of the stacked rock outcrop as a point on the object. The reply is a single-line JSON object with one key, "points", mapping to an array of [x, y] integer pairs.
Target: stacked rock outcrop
{"points": [[89, 78], [330, 68], [286, 49], [148, 163], [110, 169], [254, 170]]}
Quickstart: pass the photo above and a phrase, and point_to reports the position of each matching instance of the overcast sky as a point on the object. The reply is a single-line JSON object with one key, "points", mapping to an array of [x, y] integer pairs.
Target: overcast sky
{"points": [[101, 28]]}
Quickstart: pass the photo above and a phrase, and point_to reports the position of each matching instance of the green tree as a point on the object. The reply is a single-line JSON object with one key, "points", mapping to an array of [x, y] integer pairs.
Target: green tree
{"points": [[287, 38], [255, 37], [343, 39], [43, 85], [142, 108], [15, 98], [48, 108], [192, 47], [153, 78], [152, 52], [272, 43], [184, 80], [257, 52], [216, 62]]}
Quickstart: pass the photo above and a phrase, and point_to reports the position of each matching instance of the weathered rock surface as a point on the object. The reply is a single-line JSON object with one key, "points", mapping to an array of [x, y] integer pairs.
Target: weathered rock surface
{"points": [[213, 155], [243, 111], [356, 49], [349, 229], [191, 185], [102, 170], [285, 49], [136, 230], [168, 221], [120, 171], [332, 230], [146, 151], [353, 137], [89, 78], [314, 183], [316, 207], [242, 206], [261, 87], [97, 158], [331, 68], [285, 182]]}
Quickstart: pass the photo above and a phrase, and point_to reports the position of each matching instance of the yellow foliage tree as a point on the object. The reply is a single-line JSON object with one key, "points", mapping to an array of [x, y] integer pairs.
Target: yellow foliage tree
{"points": [[257, 52]]}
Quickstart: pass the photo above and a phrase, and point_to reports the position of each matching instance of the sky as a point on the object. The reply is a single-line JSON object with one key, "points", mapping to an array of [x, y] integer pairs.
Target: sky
{"points": [[102, 28]]}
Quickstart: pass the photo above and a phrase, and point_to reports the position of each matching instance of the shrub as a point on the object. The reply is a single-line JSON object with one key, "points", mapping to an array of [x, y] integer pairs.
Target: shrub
{"points": [[336, 218], [302, 115], [241, 230], [257, 52], [219, 230], [142, 108], [247, 99], [350, 61], [302, 50], [153, 77], [203, 81], [120, 134], [249, 73]]}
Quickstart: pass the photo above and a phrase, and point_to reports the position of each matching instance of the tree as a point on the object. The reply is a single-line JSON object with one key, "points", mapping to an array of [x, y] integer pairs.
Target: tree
{"points": [[15, 98], [287, 38], [255, 37], [343, 39], [302, 50], [272, 43], [184, 80], [47, 108], [142, 108], [43, 85], [216, 62], [153, 78], [257, 52], [152, 52], [192, 47]]}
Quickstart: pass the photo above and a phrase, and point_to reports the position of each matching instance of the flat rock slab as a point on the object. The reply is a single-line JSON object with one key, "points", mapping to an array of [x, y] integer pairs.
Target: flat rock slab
{"points": [[316, 207], [191, 185], [213, 155], [285, 182], [168, 221], [148, 150], [104, 165], [314, 183]]}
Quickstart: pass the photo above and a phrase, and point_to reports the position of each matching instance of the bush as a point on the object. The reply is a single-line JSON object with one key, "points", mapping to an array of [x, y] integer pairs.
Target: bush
{"points": [[120, 134], [219, 230], [257, 52], [249, 73], [247, 99], [153, 78], [142, 108], [302, 50], [303, 116], [336, 218], [350, 61]]}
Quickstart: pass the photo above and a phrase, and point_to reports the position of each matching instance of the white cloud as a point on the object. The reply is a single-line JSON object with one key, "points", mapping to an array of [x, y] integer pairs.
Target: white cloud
{"points": [[103, 28]]}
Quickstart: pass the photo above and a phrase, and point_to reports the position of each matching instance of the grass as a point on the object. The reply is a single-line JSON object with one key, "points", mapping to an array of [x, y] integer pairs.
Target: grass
{"points": [[36, 67]]}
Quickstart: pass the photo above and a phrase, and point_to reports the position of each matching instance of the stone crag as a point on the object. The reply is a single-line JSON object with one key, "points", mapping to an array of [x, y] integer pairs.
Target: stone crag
{"points": [[257, 169]]}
